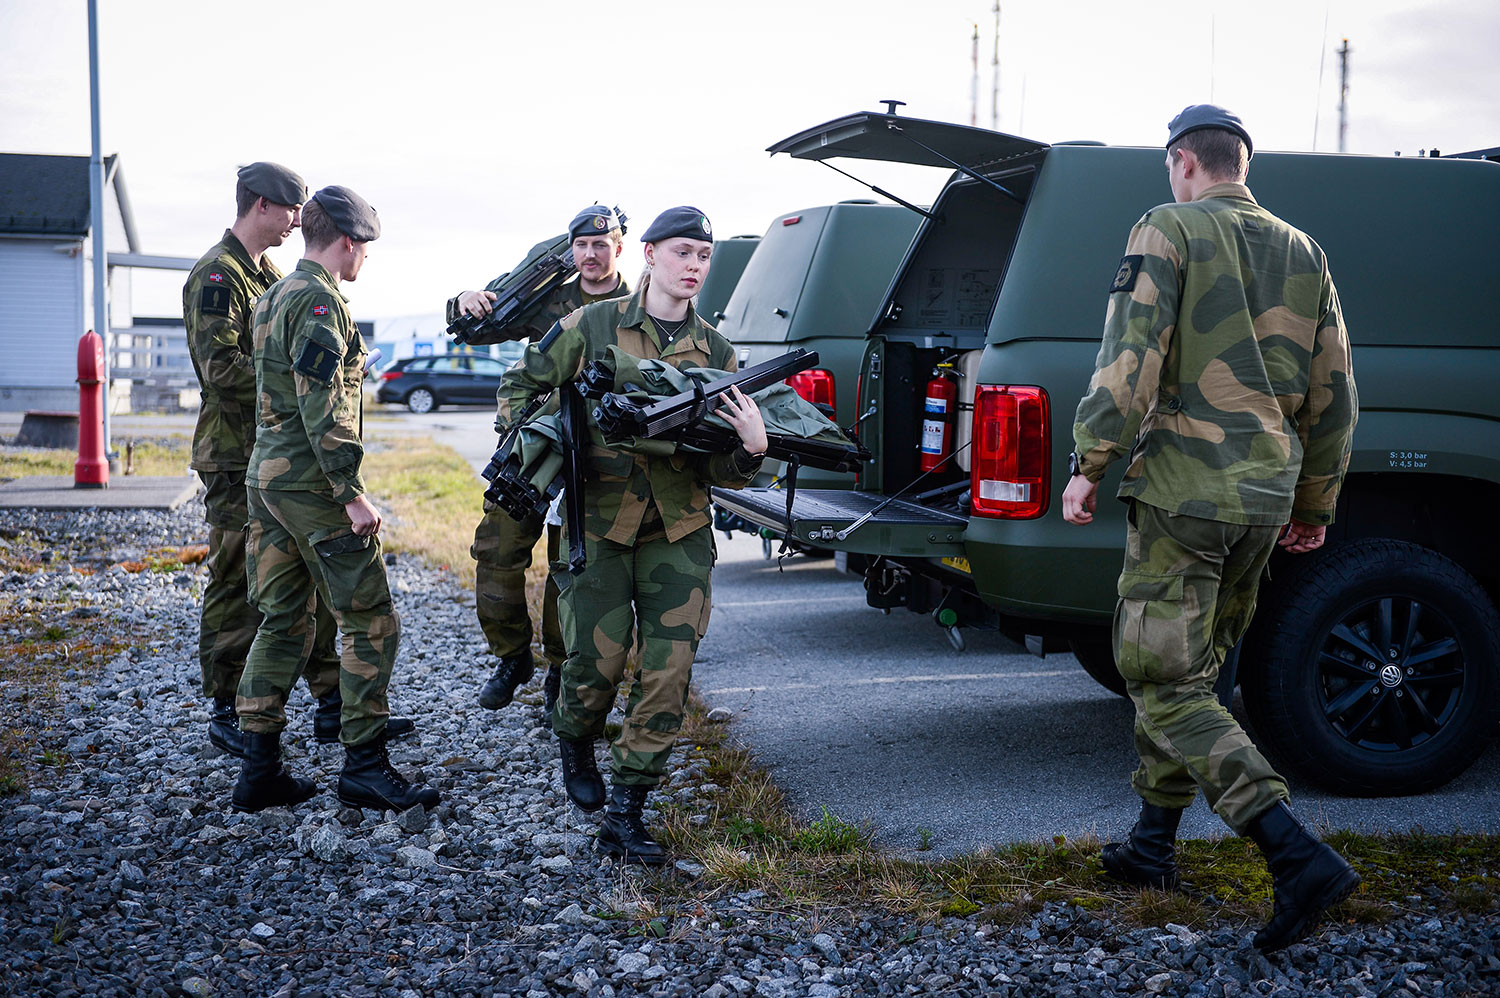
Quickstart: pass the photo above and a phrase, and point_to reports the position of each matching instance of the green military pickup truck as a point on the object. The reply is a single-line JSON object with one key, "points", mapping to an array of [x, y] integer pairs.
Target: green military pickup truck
{"points": [[1373, 666]]}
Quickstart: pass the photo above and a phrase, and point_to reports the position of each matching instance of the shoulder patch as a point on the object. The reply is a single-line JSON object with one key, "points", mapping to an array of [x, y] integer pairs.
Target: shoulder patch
{"points": [[216, 277], [320, 310], [214, 299], [1128, 272], [317, 362]]}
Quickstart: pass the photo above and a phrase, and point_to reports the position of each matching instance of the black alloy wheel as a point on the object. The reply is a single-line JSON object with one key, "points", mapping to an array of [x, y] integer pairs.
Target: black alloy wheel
{"points": [[1375, 672]]}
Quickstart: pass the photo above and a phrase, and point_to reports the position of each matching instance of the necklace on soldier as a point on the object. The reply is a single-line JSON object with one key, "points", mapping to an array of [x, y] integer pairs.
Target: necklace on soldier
{"points": [[668, 330]]}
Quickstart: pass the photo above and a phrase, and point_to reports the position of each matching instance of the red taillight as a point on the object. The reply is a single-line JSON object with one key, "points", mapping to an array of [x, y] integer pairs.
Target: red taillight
{"points": [[1012, 452], [815, 385], [791, 220], [390, 376]]}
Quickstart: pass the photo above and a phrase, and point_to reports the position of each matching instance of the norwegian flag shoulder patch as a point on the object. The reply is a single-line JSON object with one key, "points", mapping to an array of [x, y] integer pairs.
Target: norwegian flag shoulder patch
{"points": [[216, 277], [320, 310]]}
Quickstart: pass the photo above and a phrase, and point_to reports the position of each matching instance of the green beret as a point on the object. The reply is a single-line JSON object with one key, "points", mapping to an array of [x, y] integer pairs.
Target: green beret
{"points": [[684, 220], [273, 182], [1196, 116], [350, 213], [593, 221]]}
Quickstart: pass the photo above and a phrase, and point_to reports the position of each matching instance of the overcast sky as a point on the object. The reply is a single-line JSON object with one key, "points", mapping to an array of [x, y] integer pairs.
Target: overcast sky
{"points": [[477, 129]]}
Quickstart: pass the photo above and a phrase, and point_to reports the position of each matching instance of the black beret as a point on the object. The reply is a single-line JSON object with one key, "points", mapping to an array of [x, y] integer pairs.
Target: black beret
{"points": [[351, 213], [1196, 116], [594, 220], [680, 221], [273, 182]]}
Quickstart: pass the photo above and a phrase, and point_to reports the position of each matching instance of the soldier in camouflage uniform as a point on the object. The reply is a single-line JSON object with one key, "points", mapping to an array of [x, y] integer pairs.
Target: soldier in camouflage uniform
{"points": [[1225, 376], [216, 302], [502, 546], [647, 538], [311, 526]]}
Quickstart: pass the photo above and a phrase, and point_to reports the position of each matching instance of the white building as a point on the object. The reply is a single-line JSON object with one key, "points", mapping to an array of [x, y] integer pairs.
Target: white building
{"points": [[46, 282]]}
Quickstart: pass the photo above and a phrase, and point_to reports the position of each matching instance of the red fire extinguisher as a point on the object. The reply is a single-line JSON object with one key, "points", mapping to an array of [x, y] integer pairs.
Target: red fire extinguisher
{"points": [[941, 409]]}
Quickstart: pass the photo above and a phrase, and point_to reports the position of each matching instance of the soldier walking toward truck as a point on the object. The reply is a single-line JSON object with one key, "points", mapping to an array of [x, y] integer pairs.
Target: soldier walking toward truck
{"points": [[502, 546], [1225, 376]]}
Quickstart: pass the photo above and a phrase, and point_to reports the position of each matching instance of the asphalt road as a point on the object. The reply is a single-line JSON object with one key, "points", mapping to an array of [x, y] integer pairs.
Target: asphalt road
{"points": [[877, 718]]}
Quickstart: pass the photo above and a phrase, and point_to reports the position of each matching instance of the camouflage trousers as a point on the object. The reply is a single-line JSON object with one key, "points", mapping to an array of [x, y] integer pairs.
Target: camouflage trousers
{"points": [[1187, 594], [660, 589], [301, 543], [502, 552], [228, 622]]}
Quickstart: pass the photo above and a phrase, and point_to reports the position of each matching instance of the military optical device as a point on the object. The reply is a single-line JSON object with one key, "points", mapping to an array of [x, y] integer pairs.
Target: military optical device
{"points": [[521, 292]]}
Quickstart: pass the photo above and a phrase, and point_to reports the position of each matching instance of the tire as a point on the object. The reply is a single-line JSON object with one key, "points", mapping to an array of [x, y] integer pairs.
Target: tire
{"points": [[1375, 671], [1095, 651], [421, 401]]}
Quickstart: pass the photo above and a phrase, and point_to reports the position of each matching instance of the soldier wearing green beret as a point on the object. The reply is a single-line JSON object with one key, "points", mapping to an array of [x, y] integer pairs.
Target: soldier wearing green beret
{"points": [[1233, 401], [216, 304], [312, 529], [647, 535], [503, 546]]}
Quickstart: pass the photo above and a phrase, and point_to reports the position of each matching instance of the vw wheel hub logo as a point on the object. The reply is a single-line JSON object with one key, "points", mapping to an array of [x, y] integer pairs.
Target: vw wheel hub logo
{"points": [[1390, 675]]}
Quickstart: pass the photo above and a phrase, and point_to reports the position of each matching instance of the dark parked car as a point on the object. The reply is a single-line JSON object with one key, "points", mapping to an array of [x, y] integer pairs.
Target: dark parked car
{"points": [[424, 383]]}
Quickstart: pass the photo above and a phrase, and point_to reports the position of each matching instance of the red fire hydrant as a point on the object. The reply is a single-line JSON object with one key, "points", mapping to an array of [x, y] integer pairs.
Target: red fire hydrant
{"points": [[91, 470]]}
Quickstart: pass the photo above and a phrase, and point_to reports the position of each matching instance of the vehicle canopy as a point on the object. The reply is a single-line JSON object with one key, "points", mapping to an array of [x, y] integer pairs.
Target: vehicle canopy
{"points": [[1045, 225]]}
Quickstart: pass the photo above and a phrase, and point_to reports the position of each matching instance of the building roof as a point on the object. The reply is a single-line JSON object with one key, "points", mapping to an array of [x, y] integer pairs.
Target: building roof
{"points": [[49, 195]]}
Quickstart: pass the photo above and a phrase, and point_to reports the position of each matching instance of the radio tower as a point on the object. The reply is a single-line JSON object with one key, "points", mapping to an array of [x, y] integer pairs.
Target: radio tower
{"points": [[974, 83], [995, 75], [1343, 92]]}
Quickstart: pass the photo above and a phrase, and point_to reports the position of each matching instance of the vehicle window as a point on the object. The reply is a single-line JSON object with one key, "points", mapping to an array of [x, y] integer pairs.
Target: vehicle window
{"points": [[488, 366], [419, 365]]}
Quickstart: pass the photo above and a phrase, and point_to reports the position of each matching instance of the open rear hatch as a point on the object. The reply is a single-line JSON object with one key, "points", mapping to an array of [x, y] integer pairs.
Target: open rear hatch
{"points": [[892, 138], [820, 516]]}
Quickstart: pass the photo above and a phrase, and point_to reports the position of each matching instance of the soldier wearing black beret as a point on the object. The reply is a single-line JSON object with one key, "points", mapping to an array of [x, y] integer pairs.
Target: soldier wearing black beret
{"points": [[216, 305], [646, 534], [312, 528], [502, 546]]}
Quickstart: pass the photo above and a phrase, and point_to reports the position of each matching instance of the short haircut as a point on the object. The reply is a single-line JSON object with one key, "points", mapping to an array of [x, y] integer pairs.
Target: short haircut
{"points": [[1220, 152], [318, 230], [244, 199]]}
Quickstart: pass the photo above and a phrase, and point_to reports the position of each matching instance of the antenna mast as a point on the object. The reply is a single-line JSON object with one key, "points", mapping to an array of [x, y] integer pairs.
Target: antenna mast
{"points": [[995, 71], [974, 82], [1343, 92]]}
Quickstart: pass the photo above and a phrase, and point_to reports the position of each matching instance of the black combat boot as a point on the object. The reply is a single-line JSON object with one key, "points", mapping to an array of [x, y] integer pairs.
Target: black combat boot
{"points": [[369, 780], [1148, 857], [500, 689], [264, 782], [551, 683], [581, 777], [623, 833], [224, 728], [1307, 877], [327, 722]]}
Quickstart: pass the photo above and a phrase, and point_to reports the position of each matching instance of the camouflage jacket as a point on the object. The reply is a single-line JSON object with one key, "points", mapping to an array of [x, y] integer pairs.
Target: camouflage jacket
{"points": [[621, 484], [217, 301], [309, 370], [564, 299], [1225, 370]]}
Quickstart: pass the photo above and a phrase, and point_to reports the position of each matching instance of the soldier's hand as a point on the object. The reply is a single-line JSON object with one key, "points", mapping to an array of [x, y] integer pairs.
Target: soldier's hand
{"points": [[1079, 501], [1300, 538], [740, 411], [363, 514], [476, 303]]}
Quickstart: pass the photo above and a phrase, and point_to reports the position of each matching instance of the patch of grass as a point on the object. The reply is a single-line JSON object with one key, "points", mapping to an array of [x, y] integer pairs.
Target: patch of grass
{"points": [[432, 501], [166, 455], [751, 840]]}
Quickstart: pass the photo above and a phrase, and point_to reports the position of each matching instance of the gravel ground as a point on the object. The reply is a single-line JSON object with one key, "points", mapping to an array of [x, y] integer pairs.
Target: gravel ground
{"points": [[126, 873]]}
